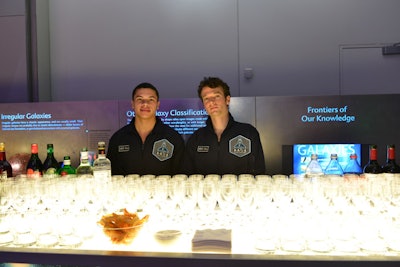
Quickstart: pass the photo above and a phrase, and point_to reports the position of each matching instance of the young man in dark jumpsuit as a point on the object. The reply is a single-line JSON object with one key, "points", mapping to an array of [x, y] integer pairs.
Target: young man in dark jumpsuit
{"points": [[146, 145], [223, 146]]}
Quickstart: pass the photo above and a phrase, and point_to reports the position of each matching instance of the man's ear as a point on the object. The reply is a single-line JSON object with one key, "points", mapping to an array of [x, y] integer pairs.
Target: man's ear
{"points": [[228, 100]]}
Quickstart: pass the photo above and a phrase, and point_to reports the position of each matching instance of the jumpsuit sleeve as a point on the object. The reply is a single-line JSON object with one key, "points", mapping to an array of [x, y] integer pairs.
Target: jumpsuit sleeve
{"points": [[112, 155], [188, 166], [178, 156]]}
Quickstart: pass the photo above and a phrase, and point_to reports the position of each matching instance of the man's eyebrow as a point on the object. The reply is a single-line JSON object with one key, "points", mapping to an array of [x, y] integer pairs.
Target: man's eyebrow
{"points": [[152, 96]]}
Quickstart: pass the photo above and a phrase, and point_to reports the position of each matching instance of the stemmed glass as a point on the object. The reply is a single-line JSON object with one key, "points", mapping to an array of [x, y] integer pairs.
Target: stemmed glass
{"points": [[227, 195], [246, 195], [207, 200], [263, 194], [282, 193]]}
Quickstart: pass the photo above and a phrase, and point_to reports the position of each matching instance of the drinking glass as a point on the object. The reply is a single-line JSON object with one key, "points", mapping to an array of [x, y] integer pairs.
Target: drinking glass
{"points": [[6, 237], [207, 195], [263, 194], [207, 201], [190, 192], [395, 191], [175, 193], [227, 195], [282, 194], [160, 197], [246, 195], [22, 229]]}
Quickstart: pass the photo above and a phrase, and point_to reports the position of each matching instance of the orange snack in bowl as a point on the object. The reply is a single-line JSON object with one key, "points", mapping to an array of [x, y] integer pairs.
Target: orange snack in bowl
{"points": [[122, 228]]}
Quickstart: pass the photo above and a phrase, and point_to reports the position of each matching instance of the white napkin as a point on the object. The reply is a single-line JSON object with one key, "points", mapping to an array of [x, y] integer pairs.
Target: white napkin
{"points": [[212, 240]]}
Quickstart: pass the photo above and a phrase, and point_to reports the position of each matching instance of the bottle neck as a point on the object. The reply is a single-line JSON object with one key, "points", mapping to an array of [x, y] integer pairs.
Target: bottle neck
{"points": [[373, 155], [84, 161], [2, 156], [391, 154]]}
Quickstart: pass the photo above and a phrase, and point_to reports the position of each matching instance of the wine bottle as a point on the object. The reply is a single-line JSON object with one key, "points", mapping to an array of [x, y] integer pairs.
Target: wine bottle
{"points": [[333, 167], [50, 165], [391, 165], [67, 169], [5, 166], [84, 169], [34, 168], [314, 169], [102, 165], [353, 167], [373, 166]]}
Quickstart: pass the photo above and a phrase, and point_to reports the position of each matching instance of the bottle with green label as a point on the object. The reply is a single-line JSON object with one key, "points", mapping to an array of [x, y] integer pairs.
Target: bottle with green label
{"points": [[50, 165], [67, 169]]}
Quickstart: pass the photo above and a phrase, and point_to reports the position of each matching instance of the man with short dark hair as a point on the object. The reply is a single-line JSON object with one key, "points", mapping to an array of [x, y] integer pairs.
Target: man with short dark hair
{"points": [[223, 146], [146, 145]]}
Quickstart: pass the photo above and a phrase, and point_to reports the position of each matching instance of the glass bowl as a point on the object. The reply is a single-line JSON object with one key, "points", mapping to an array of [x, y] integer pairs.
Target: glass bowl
{"points": [[123, 227]]}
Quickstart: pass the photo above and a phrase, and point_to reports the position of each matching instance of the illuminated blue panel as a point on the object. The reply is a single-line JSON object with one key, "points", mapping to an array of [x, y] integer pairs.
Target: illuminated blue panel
{"points": [[302, 154]]}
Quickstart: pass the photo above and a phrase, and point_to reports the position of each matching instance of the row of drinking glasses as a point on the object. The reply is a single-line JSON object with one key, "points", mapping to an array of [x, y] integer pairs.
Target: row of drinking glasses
{"points": [[61, 208], [227, 192]]}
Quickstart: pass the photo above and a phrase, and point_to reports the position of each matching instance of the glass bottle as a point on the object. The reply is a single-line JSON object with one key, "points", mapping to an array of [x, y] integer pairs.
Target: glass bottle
{"points": [[314, 168], [84, 169], [50, 164], [353, 167], [391, 165], [34, 168], [102, 165], [5, 166], [67, 169], [373, 166], [333, 167]]}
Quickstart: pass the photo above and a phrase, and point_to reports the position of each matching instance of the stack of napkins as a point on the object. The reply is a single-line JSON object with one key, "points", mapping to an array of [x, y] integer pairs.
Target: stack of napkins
{"points": [[212, 240]]}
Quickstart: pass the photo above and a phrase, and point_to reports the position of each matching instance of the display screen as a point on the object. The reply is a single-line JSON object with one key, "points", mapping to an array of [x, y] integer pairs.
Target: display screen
{"points": [[302, 154]]}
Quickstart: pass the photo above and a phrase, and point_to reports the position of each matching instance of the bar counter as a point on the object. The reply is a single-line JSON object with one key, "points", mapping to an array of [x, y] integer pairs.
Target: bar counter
{"points": [[67, 257], [295, 223]]}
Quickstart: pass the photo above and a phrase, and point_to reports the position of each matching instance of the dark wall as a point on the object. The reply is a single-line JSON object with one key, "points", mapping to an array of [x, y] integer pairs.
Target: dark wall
{"points": [[13, 63], [281, 121]]}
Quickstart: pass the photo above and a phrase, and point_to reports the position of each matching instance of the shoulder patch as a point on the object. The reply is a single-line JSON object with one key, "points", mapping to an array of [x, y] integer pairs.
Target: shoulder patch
{"points": [[240, 146], [163, 149]]}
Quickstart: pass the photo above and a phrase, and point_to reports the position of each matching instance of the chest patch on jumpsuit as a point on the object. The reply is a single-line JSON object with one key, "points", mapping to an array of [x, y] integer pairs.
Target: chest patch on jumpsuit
{"points": [[163, 149], [240, 146]]}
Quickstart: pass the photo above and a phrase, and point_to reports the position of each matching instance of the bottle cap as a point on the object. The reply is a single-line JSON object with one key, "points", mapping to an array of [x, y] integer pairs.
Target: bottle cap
{"points": [[353, 156], [34, 148]]}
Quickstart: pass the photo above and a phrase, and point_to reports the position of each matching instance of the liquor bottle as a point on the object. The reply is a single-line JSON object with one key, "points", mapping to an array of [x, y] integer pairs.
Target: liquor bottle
{"points": [[352, 166], [67, 169], [5, 166], [333, 167], [373, 166], [314, 169], [34, 168], [50, 165], [391, 165], [102, 165], [84, 169]]}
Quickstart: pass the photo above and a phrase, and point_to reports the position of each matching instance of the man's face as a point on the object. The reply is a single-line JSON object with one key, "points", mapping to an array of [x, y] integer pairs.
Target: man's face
{"points": [[145, 103], [215, 101]]}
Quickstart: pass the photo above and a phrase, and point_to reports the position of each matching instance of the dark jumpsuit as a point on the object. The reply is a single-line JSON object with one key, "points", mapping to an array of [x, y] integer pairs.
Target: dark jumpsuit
{"points": [[238, 152], [161, 153]]}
